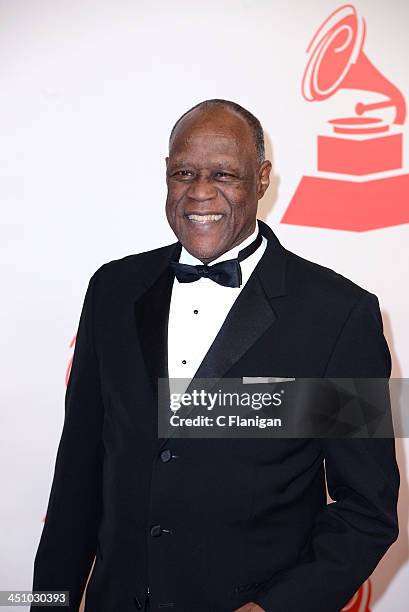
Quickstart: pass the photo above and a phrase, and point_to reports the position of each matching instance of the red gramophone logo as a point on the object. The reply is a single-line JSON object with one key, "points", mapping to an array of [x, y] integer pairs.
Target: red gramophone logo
{"points": [[360, 182]]}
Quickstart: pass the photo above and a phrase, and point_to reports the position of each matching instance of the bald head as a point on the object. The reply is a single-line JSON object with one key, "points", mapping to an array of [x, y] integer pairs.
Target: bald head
{"points": [[215, 108]]}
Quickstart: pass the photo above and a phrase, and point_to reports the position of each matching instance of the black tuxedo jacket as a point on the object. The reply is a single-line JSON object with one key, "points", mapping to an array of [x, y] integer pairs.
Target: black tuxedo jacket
{"points": [[209, 524]]}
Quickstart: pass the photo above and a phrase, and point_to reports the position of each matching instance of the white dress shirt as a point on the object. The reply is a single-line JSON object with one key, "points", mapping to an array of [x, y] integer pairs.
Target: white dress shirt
{"points": [[198, 310]]}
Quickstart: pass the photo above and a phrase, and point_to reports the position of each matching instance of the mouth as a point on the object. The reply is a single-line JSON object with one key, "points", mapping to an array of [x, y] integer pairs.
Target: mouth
{"points": [[204, 218]]}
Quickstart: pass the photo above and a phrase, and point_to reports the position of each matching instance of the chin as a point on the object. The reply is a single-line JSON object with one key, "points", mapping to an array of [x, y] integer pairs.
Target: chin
{"points": [[201, 254], [204, 250]]}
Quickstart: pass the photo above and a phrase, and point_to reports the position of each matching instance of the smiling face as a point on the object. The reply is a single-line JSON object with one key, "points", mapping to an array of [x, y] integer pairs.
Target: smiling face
{"points": [[214, 182]]}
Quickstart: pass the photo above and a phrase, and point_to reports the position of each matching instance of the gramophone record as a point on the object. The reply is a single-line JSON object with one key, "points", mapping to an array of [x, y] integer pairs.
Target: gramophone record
{"points": [[359, 125]]}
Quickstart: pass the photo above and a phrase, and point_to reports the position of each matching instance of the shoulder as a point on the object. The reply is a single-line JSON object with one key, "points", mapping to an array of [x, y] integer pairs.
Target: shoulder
{"points": [[132, 269], [324, 287], [348, 313]]}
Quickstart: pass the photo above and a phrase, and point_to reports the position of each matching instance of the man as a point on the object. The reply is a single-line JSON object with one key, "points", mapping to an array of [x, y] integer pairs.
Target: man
{"points": [[201, 525]]}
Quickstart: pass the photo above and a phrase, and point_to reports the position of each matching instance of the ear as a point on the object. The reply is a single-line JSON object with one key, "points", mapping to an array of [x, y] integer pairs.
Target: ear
{"points": [[263, 178]]}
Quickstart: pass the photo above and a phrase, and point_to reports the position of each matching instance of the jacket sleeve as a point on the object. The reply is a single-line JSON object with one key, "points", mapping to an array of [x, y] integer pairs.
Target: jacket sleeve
{"points": [[352, 533], [69, 538]]}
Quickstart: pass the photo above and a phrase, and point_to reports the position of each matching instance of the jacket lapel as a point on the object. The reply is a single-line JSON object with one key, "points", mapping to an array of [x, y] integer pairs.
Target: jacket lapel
{"points": [[152, 314]]}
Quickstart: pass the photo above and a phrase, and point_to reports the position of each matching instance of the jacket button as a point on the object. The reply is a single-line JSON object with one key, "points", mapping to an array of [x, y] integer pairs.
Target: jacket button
{"points": [[156, 531], [166, 455]]}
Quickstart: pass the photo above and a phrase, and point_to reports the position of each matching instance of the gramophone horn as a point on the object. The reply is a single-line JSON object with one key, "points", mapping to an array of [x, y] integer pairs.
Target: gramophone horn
{"points": [[337, 61]]}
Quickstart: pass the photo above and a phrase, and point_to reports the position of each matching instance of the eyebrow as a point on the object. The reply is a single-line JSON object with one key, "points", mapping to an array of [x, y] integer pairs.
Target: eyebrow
{"points": [[179, 163], [222, 165]]}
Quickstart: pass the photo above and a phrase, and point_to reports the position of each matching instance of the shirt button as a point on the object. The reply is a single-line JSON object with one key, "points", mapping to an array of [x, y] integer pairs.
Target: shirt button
{"points": [[156, 531], [166, 455], [184, 361], [196, 311]]}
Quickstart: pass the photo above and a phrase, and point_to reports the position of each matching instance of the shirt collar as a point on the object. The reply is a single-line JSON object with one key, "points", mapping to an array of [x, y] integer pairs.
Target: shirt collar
{"points": [[188, 258]]}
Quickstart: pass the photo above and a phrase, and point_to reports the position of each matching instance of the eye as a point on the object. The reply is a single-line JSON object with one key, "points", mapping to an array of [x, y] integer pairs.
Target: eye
{"points": [[222, 174], [183, 173]]}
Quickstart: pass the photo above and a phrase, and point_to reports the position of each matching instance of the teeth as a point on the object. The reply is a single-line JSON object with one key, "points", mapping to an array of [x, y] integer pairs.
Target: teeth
{"points": [[204, 218]]}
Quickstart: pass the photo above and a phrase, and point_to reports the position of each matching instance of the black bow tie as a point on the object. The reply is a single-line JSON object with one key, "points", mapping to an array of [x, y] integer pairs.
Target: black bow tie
{"points": [[226, 273]]}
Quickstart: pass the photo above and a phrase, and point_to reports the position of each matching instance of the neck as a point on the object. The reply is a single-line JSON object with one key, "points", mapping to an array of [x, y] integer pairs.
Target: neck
{"points": [[237, 242]]}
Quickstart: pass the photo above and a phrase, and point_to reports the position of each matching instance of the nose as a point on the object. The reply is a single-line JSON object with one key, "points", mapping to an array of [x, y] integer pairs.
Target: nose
{"points": [[201, 190]]}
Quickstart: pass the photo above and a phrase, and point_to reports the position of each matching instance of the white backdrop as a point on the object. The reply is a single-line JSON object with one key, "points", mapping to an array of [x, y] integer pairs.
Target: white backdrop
{"points": [[89, 91]]}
